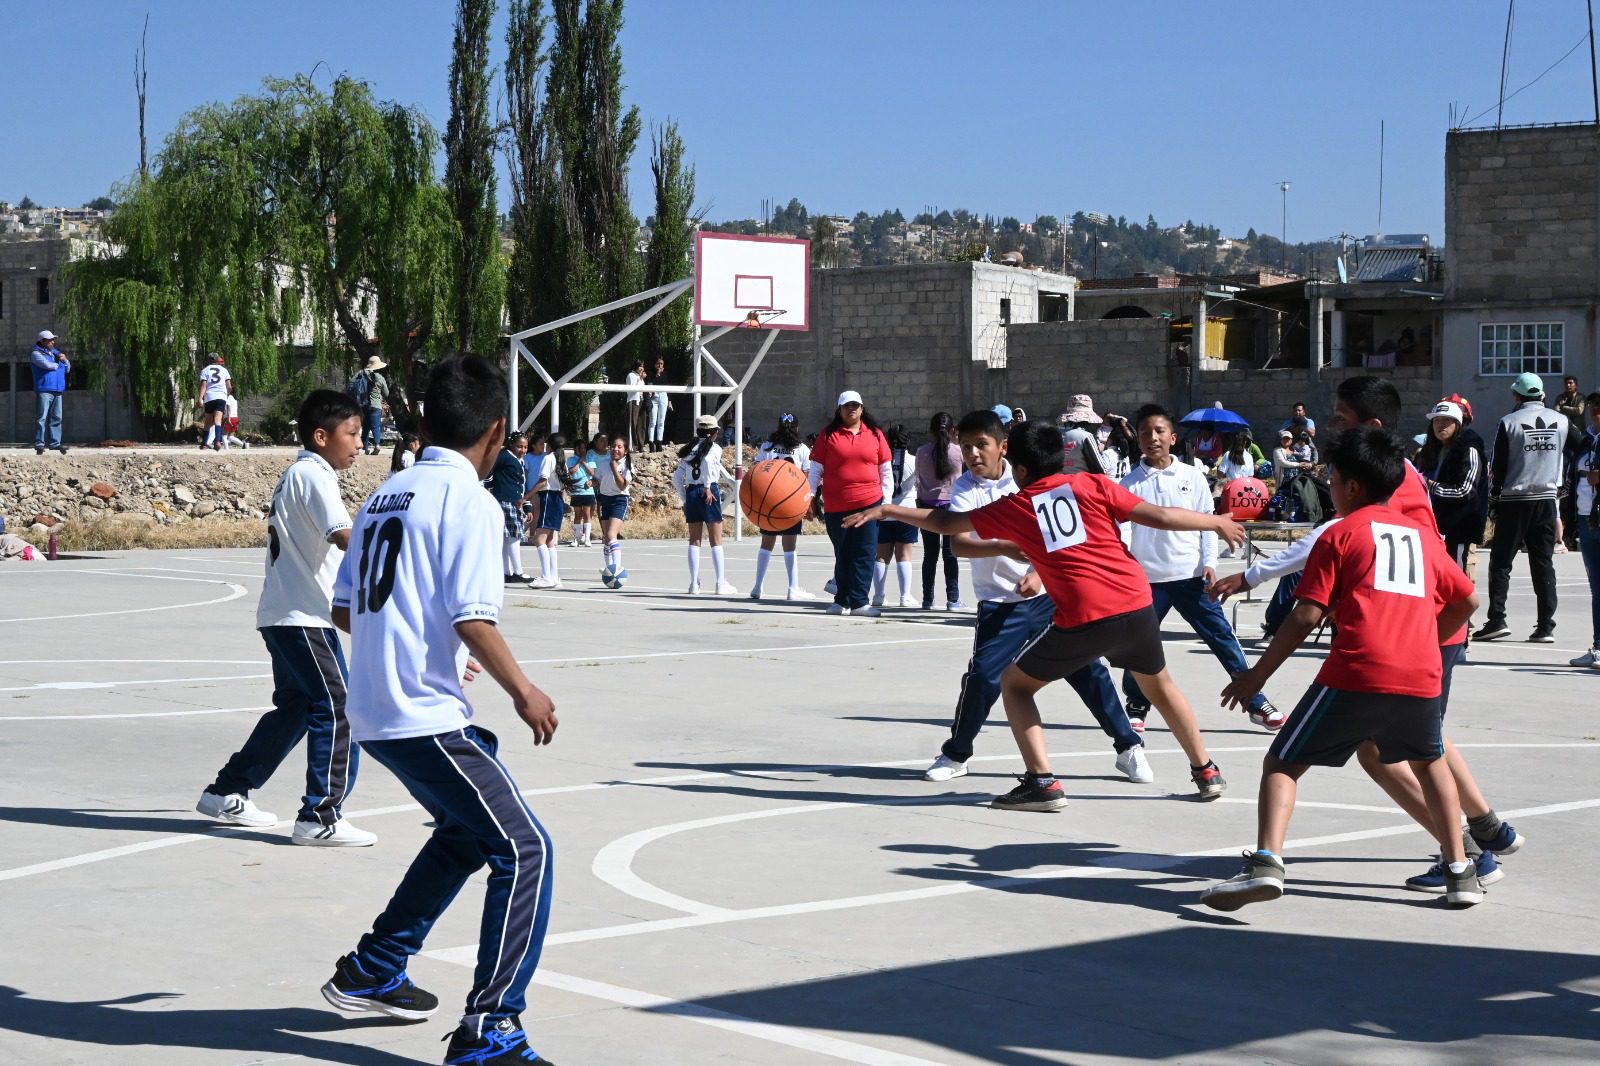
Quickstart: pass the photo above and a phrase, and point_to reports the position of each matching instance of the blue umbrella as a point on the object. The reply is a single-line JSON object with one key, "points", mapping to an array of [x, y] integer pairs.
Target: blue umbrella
{"points": [[1213, 417]]}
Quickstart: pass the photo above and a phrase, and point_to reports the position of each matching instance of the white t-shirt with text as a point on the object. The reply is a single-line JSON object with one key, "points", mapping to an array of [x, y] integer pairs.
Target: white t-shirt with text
{"points": [[214, 379]]}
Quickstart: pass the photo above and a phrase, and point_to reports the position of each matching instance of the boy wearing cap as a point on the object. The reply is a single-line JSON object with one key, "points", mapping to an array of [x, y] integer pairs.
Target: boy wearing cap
{"points": [[1524, 482], [50, 370]]}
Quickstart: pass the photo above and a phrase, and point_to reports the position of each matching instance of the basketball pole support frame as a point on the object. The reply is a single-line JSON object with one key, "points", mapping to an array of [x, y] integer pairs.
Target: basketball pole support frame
{"points": [[730, 390]]}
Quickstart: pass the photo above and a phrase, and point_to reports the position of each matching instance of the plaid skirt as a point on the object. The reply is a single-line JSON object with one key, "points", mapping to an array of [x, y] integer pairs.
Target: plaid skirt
{"points": [[513, 513]]}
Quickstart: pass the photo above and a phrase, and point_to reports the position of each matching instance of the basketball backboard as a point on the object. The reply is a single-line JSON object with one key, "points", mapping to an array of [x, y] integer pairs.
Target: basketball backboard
{"points": [[735, 275]]}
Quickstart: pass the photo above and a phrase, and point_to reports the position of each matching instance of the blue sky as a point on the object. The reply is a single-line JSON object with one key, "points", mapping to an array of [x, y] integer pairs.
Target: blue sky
{"points": [[1176, 109]]}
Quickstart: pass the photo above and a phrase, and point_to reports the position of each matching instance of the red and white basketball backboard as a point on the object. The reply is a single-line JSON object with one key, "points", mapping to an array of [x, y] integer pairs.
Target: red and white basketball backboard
{"points": [[735, 275]]}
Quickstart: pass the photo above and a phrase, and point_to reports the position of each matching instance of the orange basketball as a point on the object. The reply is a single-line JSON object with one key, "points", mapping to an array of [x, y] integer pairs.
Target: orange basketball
{"points": [[775, 494], [1245, 498]]}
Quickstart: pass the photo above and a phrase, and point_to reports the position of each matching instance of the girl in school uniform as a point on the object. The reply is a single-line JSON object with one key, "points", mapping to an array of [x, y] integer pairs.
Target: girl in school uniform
{"points": [[580, 471], [545, 484], [613, 478], [785, 444], [698, 479], [897, 540], [508, 483]]}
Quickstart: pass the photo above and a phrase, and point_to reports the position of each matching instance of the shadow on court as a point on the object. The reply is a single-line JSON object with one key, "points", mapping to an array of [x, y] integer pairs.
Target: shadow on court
{"points": [[132, 821], [1205, 987], [274, 1032]]}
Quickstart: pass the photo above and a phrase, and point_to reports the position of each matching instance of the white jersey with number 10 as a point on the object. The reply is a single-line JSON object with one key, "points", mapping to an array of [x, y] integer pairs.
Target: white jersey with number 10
{"points": [[424, 555]]}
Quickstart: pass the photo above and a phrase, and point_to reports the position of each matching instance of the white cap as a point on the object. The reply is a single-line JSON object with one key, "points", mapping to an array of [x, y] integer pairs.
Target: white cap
{"points": [[1446, 409], [46, 335], [849, 396]]}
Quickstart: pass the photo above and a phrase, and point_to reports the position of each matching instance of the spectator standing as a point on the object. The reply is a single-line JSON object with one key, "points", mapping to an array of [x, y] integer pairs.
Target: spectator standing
{"points": [[1453, 461], [1294, 420], [636, 409], [1588, 524], [1524, 480], [370, 390], [1080, 441], [660, 404], [938, 467], [851, 472], [50, 370], [216, 385], [1569, 403]]}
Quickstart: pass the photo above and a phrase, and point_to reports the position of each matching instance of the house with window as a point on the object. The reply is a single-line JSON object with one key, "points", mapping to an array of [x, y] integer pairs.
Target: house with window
{"points": [[1522, 260]]}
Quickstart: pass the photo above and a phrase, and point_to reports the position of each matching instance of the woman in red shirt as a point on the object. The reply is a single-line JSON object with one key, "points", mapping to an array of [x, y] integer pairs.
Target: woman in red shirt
{"points": [[850, 463]]}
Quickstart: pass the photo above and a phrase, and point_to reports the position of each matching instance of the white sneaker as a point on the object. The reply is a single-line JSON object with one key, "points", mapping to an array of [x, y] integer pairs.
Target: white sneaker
{"points": [[694, 590], [955, 605], [910, 601], [235, 809], [1135, 765], [834, 608], [543, 583], [867, 612], [340, 834], [725, 589], [944, 768], [1588, 658], [798, 593]]}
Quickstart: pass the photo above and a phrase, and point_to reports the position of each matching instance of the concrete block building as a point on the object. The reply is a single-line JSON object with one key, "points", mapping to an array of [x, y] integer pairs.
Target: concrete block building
{"points": [[1522, 260]]}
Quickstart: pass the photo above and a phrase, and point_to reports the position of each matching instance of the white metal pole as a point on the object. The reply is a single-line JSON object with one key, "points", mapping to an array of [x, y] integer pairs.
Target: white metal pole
{"points": [[738, 464], [699, 354], [515, 359]]}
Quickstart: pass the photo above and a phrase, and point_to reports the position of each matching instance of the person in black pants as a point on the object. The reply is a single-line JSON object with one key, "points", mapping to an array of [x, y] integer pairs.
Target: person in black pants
{"points": [[1454, 462], [850, 472]]}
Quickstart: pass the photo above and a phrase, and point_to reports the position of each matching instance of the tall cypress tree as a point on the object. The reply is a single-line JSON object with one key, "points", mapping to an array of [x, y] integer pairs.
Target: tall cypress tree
{"points": [[470, 181], [670, 334]]}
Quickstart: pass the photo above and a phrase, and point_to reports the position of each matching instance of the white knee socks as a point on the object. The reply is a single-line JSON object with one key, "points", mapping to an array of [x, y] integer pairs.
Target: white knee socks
{"points": [[511, 556], [614, 554], [903, 569], [763, 559], [694, 564], [792, 565], [880, 575], [718, 565]]}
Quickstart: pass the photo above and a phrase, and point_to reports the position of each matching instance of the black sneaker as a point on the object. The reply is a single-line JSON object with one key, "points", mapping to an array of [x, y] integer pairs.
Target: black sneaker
{"points": [[38, 451], [1492, 631], [1462, 889], [1137, 713], [1260, 880], [352, 989], [505, 1043], [1208, 781], [1029, 795], [1542, 636]]}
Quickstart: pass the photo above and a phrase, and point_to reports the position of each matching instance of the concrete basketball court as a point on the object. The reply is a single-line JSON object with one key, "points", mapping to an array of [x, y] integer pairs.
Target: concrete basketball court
{"points": [[748, 866]]}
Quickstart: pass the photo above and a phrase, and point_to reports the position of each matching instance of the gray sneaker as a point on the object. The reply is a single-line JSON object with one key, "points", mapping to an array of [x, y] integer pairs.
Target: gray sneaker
{"points": [[1462, 889], [1260, 880], [1588, 658]]}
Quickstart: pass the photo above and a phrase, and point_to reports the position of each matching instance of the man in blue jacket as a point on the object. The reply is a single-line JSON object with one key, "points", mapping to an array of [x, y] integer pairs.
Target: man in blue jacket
{"points": [[50, 370]]}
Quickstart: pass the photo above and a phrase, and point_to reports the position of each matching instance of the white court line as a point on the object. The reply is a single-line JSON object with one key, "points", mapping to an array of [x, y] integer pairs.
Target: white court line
{"points": [[198, 712], [801, 1039], [236, 593], [163, 662], [739, 651], [76, 685]]}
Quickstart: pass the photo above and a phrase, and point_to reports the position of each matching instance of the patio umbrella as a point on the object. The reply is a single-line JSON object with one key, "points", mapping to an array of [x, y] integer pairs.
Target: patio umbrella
{"points": [[1213, 418]]}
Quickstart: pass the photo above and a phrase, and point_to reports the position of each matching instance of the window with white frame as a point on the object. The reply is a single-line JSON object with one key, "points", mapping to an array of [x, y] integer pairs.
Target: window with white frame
{"points": [[1509, 348]]}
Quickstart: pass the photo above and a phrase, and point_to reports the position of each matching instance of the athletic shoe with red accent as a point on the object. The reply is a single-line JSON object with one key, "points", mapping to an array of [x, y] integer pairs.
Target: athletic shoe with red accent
{"points": [[1268, 717], [1208, 779], [1136, 715], [1029, 795]]}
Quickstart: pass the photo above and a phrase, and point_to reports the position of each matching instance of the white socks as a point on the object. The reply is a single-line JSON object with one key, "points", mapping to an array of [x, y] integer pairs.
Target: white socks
{"points": [[791, 564], [718, 565], [903, 569], [880, 575], [614, 554], [694, 564], [582, 533], [511, 557], [548, 567], [763, 559]]}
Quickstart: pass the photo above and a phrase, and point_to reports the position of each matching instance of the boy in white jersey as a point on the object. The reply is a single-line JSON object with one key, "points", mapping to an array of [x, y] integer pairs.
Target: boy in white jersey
{"points": [[307, 531], [417, 593]]}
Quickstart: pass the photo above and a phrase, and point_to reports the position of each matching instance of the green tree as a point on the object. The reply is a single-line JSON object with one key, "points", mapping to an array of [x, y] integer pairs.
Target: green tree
{"points": [[297, 208], [478, 292], [825, 248], [1046, 225], [27, 204], [101, 203], [670, 334]]}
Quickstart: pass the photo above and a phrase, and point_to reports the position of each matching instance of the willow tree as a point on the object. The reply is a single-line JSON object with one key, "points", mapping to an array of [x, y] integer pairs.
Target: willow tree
{"points": [[299, 218]]}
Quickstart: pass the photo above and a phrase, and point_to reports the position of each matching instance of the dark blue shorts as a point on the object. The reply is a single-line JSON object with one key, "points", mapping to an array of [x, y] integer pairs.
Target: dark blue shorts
{"points": [[583, 499], [551, 509], [892, 532], [613, 506], [697, 509], [1330, 724]]}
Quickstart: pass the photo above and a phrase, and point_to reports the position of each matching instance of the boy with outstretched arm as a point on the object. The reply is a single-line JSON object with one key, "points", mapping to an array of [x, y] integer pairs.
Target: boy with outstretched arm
{"points": [[419, 589], [1397, 597], [1011, 612], [1065, 525]]}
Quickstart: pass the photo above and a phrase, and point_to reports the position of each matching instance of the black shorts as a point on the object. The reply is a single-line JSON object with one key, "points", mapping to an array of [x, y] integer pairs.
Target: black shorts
{"points": [[216, 407], [1330, 724], [1130, 641]]}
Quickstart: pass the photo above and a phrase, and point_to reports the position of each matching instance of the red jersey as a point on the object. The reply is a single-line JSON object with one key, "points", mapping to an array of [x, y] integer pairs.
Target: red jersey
{"points": [[1412, 500], [850, 465], [1386, 580], [1066, 524]]}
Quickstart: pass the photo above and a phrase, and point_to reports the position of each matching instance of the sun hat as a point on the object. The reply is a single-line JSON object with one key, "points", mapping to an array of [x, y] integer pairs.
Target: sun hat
{"points": [[1081, 410], [848, 396], [1286, 434], [1528, 385], [376, 363], [1446, 409], [705, 422]]}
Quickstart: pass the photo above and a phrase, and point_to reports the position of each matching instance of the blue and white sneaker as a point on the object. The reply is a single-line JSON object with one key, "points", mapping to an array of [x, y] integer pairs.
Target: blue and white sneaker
{"points": [[353, 989], [1504, 842], [506, 1043], [1433, 880]]}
